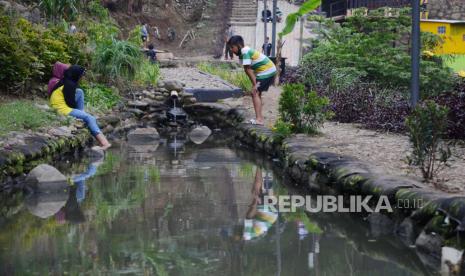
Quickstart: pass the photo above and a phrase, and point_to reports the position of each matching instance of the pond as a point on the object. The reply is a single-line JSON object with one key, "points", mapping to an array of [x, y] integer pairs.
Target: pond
{"points": [[185, 209]]}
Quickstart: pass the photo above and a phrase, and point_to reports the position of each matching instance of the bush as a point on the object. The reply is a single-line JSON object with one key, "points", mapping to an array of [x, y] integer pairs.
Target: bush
{"points": [[426, 128], [455, 101], [282, 129], [374, 48], [29, 52], [304, 110], [117, 60]]}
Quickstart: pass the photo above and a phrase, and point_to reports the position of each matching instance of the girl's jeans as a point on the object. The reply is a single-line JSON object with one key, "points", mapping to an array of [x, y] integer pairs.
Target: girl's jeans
{"points": [[79, 113]]}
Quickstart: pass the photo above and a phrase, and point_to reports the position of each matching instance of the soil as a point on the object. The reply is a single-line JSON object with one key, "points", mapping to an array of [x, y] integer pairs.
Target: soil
{"points": [[209, 29], [385, 151]]}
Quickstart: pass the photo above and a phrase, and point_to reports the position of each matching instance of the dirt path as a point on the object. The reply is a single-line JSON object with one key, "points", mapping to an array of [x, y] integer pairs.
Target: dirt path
{"points": [[385, 151]]}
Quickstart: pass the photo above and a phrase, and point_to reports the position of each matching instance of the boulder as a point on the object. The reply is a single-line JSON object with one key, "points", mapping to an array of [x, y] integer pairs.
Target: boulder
{"points": [[173, 85], [46, 177], [138, 104], [199, 134], [44, 205], [141, 136]]}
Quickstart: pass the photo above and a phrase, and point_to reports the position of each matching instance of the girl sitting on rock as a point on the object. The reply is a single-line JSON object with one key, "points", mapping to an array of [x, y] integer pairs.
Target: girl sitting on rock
{"points": [[68, 99]]}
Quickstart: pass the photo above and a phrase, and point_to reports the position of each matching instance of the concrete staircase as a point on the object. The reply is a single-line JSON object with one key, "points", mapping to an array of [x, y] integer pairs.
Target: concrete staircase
{"points": [[244, 13]]}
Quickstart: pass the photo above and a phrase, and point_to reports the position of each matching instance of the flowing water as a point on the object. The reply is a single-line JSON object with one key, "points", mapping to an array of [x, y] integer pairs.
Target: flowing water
{"points": [[186, 209]]}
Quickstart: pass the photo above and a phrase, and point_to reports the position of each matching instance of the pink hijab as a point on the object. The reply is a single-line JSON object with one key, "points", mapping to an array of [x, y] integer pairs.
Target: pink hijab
{"points": [[57, 74]]}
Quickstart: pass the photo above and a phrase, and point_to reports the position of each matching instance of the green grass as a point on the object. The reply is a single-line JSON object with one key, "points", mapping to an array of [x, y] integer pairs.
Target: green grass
{"points": [[100, 97], [22, 115], [456, 62], [148, 73], [235, 77]]}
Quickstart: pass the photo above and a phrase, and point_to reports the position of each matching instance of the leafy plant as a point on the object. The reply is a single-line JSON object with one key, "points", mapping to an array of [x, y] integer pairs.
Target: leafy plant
{"points": [[117, 60], [100, 97], [55, 9], [282, 129], [426, 128], [304, 110], [148, 73], [376, 48]]}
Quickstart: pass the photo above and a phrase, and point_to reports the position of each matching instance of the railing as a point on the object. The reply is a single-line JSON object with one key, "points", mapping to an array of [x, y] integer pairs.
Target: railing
{"points": [[375, 4]]}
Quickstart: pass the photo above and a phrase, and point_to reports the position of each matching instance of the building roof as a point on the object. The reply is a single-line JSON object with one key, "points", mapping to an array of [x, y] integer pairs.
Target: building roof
{"points": [[444, 21]]}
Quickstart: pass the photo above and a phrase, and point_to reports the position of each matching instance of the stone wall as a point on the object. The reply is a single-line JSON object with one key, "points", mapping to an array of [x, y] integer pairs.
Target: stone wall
{"points": [[420, 224], [446, 9]]}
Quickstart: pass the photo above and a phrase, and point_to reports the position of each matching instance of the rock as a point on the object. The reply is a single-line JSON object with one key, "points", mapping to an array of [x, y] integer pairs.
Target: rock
{"points": [[62, 131], [407, 232], [143, 136], [380, 225], [199, 134], [136, 111], [165, 56], [159, 98], [95, 152], [108, 129], [158, 93], [190, 100], [174, 85], [160, 85], [126, 115], [46, 177], [162, 90], [429, 248], [44, 205], [111, 120], [138, 104]]}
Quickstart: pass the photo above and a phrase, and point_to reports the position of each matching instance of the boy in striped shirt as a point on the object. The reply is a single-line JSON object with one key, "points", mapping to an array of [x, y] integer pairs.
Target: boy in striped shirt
{"points": [[260, 70]]}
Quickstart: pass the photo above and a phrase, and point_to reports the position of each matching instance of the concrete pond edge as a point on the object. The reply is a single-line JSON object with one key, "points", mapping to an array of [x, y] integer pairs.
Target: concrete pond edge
{"points": [[423, 217]]}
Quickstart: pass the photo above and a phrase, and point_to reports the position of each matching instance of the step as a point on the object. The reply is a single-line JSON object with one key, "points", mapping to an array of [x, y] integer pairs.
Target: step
{"points": [[235, 23], [242, 21]]}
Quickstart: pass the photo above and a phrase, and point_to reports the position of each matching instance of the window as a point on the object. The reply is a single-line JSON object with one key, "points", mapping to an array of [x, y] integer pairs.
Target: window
{"points": [[441, 29]]}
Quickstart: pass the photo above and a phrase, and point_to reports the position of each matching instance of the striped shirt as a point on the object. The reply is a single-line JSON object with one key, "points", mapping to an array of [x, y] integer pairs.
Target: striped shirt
{"points": [[262, 66]]}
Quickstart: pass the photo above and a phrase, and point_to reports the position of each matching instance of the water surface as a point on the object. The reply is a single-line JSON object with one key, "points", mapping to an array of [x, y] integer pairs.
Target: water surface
{"points": [[182, 209]]}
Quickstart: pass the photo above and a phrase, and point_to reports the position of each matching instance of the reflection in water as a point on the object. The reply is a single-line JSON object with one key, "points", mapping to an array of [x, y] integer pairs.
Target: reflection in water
{"points": [[142, 214], [259, 217]]}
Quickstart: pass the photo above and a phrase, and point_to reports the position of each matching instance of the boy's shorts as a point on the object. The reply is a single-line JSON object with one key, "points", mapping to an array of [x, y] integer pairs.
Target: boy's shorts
{"points": [[264, 84]]}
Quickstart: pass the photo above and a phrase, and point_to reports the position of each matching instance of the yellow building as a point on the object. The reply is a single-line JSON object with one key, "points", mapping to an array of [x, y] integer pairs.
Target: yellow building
{"points": [[451, 31]]}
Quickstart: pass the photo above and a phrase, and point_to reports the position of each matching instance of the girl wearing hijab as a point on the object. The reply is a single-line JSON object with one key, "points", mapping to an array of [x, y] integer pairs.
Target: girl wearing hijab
{"points": [[68, 99]]}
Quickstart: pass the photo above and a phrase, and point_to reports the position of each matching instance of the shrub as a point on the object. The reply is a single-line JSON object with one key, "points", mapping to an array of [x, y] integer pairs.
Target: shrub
{"points": [[374, 47], [304, 110], [455, 101], [426, 128], [17, 64], [148, 73], [282, 129], [117, 60]]}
